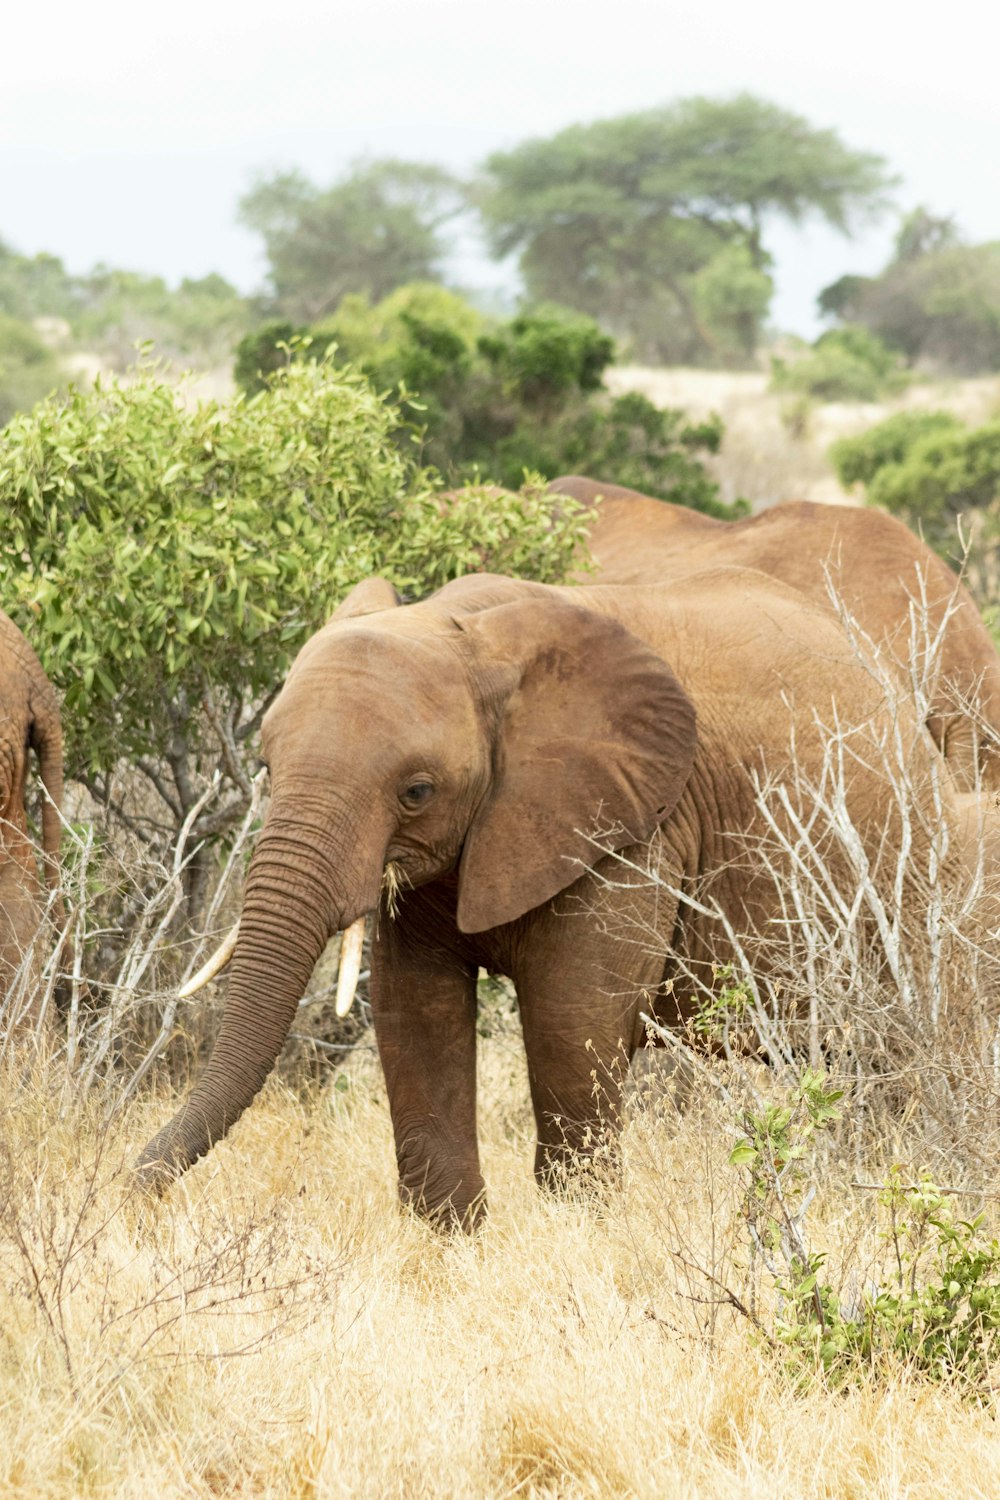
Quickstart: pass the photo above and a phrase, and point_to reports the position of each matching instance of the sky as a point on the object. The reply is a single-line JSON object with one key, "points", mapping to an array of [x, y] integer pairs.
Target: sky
{"points": [[129, 132]]}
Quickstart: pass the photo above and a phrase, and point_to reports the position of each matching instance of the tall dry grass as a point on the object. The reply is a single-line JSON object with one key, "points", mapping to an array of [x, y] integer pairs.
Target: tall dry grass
{"points": [[775, 447], [275, 1326]]}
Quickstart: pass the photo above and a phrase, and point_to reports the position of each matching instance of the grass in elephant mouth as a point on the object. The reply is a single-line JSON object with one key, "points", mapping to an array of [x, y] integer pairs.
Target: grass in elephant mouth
{"points": [[276, 1326]]}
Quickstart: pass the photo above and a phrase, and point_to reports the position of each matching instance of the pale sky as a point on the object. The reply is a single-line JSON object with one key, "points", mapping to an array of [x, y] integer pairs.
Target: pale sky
{"points": [[128, 131]]}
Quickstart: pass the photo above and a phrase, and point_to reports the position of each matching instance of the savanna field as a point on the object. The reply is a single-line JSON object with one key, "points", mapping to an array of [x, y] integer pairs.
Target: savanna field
{"points": [[788, 1285], [276, 1326]]}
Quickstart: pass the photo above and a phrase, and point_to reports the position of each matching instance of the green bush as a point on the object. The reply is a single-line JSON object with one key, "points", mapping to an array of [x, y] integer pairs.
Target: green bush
{"points": [[199, 320], [935, 1308], [627, 440], [263, 351], [844, 364], [171, 560], [495, 402], [544, 355], [858, 459], [934, 472], [731, 296], [28, 369]]}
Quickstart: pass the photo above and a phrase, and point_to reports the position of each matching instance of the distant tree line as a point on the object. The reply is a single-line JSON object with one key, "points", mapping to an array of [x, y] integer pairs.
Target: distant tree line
{"points": [[654, 224]]}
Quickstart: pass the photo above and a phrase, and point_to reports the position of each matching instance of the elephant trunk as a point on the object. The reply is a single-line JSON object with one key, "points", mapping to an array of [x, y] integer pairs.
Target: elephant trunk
{"points": [[288, 915]]}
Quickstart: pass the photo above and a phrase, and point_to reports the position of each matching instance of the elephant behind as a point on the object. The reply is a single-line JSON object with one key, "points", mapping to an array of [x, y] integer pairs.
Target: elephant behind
{"points": [[29, 720], [563, 784], [876, 565]]}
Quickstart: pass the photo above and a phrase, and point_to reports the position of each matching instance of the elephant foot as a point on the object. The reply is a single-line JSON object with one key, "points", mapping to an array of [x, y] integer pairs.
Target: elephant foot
{"points": [[458, 1213]]}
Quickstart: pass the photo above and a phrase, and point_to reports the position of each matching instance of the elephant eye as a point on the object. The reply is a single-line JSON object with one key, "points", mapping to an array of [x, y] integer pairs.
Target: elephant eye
{"points": [[416, 794]]}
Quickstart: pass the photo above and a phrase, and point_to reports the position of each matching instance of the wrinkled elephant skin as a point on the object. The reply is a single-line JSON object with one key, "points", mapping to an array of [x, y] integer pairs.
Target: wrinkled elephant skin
{"points": [[505, 746], [879, 570], [29, 721]]}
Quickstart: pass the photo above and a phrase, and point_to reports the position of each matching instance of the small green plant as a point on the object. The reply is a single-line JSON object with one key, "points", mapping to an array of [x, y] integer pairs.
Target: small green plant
{"points": [[718, 1011], [935, 1308], [937, 1312]]}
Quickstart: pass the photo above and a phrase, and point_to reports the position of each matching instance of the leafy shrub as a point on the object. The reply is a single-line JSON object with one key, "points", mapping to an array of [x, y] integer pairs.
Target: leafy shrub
{"points": [[844, 364], [937, 301], [544, 355], [935, 1309], [28, 369], [731, 295], [263, 351], [495, 403], [170, 561], [201, 319], [629, 440], [942, 478], [858, 459]]}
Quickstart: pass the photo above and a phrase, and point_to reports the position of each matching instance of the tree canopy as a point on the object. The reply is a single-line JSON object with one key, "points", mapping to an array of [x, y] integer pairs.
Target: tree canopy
{"points": [[617, 217], [369, 233], [937, 301]]}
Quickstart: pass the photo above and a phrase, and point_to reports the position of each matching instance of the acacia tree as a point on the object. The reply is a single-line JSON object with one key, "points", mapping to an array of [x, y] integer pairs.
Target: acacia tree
{"points": [[618, 217], [369, 233]]}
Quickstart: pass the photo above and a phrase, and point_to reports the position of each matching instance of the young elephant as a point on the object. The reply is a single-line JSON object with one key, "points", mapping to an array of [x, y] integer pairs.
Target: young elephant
{"points": [[29, 720], [880, 571], [491, 745]]}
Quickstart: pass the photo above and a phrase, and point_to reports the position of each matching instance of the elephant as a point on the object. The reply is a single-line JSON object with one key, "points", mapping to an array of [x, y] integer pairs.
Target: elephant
{"points": [[29, 720], [543, 771], [876, 565]]}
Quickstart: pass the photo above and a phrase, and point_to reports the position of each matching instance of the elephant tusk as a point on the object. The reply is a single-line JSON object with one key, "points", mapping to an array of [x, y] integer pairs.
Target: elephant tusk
{"points": [[350, 966], [211, 966]]}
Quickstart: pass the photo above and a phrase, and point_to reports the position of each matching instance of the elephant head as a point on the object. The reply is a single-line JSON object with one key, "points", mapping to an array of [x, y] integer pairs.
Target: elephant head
{"points": [[29, 721], [498, 735]]}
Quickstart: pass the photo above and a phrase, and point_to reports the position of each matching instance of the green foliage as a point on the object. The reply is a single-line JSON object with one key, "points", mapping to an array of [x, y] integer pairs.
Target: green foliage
{"points": [[263, 351], [171, 560], [929, 469], [628, 440], [376, 229], [731, 296], [110, 311], [946, 474], [618, 217], [525, 397], [844, 364], [935, 1310], [35, 286], [200, 320], [937, 1313], [28, 369], [496, 402], [937, 301], [858, 459], [544, 354]]}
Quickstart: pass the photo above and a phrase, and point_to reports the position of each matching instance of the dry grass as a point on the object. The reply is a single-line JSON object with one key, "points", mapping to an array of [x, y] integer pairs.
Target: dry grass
{"points": [[775, 448], [277, 1327]]}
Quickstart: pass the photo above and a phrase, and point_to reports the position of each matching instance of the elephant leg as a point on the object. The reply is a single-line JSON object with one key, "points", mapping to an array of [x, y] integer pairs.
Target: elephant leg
{"points": [[592, 961], [424, 1009]]}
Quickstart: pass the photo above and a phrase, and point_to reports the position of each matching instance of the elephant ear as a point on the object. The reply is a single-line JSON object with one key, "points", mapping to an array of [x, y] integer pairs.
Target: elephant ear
{"points": [[367, 598], [595, 740]]}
